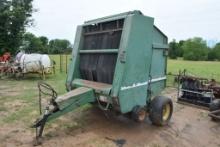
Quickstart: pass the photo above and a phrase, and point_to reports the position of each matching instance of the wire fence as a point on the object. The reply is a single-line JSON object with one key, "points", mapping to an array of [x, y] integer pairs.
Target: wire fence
{"points": [[61, 62]]}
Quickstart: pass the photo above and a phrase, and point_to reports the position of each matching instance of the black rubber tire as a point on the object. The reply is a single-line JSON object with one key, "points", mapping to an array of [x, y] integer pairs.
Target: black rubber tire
{"points": [[137, 110], [214, 105], [156, 110]]}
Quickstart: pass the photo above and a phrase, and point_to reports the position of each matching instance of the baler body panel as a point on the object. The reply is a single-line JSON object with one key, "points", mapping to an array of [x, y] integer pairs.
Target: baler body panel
{"points": [[126, 52], [137, 60], [159, 62]]}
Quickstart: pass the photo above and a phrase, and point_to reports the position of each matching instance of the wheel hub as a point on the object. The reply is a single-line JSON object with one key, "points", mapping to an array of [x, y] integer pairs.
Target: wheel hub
{"points": [[166, 112]]}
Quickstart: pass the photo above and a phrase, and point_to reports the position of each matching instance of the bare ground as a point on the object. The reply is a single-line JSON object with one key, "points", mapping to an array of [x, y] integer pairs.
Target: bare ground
{"points": [[189, 127]]}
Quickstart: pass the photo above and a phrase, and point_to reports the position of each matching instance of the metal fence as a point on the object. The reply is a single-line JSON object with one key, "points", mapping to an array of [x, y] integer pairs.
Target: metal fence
{"points": [[61, 62]]}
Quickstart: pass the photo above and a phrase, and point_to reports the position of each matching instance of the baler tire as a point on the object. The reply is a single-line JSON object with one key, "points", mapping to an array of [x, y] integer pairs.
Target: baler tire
{"points": [[214, 105], [157, 107], [138, 114]]}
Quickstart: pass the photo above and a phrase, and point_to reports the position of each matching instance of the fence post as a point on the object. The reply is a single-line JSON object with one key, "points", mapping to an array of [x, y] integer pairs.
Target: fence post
{"points": [[66, 63], [61, 63]]}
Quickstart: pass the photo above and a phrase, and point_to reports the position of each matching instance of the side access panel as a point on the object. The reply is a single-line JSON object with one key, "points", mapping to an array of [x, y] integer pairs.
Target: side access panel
{"points": [[159, 62], [137, 59]]}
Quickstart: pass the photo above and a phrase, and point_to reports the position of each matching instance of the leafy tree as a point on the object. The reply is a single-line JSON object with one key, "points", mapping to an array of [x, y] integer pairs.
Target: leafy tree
{"points": [[180, 48], [195, 49], [173, 49], [59, 46], [15, 17], [32, 44], [214, 54], [4, 25], [45, 42]]}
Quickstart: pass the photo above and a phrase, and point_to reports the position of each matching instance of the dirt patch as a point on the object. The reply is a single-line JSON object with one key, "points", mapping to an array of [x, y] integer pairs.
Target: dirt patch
{"points": [[11, 135], [15, 104], [12, 90], [9, 91], [10, 107], [189, 127]]}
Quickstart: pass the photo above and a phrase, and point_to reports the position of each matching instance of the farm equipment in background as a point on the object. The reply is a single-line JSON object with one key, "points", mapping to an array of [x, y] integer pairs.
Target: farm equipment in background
{"points": [[215, 110], [28, 63], [214, 106], [196, 90], [118, 62], [5, 57], [4, 62], [33, 63]]}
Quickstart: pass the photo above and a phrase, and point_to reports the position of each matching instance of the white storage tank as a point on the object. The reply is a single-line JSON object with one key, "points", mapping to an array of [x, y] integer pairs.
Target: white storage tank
{"points": [[32, 63]]}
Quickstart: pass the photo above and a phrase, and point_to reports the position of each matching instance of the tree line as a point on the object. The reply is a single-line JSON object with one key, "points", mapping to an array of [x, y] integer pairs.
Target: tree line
{"points": [[42, 44], [195, 49], [15, 18]]}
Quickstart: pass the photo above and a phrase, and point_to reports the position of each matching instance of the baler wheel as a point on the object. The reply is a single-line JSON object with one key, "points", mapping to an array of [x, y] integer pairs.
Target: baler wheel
{"points": [[161, 110], [138, 114]]}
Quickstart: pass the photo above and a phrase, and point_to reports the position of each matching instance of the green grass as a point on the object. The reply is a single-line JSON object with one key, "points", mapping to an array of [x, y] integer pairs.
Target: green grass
{"points": [[204, 69], [2, 108], [26, 91], [62, 62]]}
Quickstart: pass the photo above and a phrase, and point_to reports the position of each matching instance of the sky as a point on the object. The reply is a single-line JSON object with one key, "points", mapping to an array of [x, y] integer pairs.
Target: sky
{"points": [[178, 19]]}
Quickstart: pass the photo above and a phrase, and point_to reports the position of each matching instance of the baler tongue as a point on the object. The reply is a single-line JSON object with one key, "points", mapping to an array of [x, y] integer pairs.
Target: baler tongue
{"points": [[61, 105]]}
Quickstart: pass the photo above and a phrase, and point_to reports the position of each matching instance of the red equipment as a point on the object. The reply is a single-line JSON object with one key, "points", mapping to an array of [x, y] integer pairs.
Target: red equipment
{"points": [[6, 57]]}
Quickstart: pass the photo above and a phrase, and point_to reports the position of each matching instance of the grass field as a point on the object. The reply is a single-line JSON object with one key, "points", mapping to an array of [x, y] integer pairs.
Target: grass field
{"points": [[61, 62], [204, 69], [26, 93], [19, 98]]}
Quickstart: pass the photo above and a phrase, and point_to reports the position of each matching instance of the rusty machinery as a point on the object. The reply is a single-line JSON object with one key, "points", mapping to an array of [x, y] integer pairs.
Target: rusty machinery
{"points": [[4, 62], [199, 91]]}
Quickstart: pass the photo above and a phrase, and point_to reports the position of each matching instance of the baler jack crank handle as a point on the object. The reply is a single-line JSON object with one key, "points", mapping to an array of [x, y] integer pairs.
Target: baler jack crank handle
{"points": [[45, 89], [39, 129], [40, 123]]}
